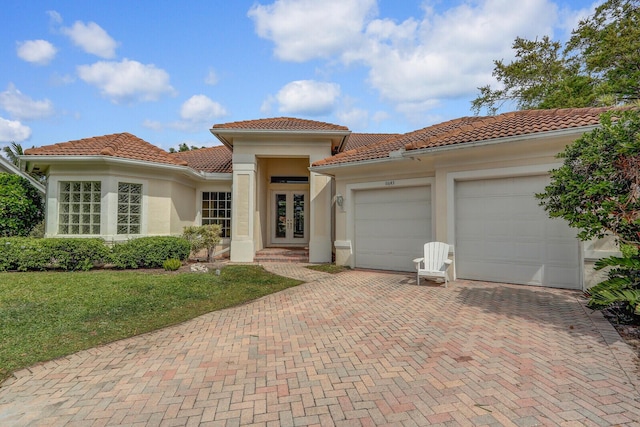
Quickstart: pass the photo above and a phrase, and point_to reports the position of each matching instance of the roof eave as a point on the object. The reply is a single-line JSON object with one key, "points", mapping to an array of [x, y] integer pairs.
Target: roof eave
{"points": [[411, 153], [335, 166], [17, 171], [226, 135], [109, 160]]}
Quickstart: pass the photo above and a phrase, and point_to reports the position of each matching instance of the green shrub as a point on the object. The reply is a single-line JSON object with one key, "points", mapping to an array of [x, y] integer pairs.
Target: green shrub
{"points": [[172, 264], [203, 237], [29, 254], [22, 254], [21, 206], [37, 231], [149, 252], [75, 253], [620, 292]]}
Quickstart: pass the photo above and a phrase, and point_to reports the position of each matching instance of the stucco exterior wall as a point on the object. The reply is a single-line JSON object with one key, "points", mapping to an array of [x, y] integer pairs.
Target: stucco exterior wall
{"points": [[255, 160], [525, 157], [170, 200]]}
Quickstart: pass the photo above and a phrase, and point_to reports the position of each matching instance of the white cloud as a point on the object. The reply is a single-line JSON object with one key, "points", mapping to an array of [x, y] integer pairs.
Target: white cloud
{"points": [[380, 116], [354, 118], [267, 105], [212, 78], [200, 108], [22, 107], [57, 79], [39, 52], [54, 17], [197, 113], [92, 39], [306, 29], [451, 54], [153, 125], [127, 81], [412, 64], [13, 131], [308, 97]]}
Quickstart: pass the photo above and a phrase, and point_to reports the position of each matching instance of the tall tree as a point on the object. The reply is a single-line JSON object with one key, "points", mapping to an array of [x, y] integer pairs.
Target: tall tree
{"points": [[607, 45], [600, 64], [12, 152]]}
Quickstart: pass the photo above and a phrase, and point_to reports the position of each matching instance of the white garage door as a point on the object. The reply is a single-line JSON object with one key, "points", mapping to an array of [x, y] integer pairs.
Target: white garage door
{"points": [[391, 227], [503, 235]]}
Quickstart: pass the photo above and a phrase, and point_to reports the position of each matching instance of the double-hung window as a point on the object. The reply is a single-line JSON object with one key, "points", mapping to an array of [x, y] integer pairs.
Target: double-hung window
{"points": [[216, 209]]}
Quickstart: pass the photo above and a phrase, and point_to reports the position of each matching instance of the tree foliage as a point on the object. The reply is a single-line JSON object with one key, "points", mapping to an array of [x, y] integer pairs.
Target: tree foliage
{"points": [[12, 152], [597, 190], [21, 207], [182, 147], [600, 64]]}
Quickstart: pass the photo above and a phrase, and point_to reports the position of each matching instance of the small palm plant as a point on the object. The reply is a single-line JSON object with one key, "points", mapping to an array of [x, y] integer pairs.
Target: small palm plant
{"points": [[620, 292]]}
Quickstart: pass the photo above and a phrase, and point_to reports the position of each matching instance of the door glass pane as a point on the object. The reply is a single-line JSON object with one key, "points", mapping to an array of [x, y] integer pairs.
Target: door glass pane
{"points": [[298, 216], [281, 215]]}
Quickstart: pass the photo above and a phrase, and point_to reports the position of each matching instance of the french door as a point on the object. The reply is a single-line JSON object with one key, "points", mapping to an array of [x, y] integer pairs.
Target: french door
{"points": [[289, 219]]}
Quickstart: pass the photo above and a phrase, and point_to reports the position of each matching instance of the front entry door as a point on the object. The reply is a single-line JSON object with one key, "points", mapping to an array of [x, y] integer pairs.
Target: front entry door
{"points": [[290, 218]]}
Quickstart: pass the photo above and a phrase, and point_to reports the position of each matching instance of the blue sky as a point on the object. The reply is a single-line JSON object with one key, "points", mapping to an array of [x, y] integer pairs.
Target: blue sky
{"points": [[167, 71]]}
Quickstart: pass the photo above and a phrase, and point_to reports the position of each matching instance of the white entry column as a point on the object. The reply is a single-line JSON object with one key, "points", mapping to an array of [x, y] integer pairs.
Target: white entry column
{"points": [[242, 208], [320, 218]]}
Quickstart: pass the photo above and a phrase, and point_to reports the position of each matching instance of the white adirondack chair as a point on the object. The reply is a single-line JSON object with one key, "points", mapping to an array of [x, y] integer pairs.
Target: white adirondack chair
{"points": [[434, 263]]}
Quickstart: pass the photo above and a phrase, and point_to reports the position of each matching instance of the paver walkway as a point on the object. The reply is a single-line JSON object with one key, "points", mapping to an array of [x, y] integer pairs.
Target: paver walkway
{"points": [[355, 349]]}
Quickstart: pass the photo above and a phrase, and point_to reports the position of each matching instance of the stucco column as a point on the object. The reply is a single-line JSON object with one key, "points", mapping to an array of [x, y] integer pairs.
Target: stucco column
{"points": [[243, 208], [320, 218]]}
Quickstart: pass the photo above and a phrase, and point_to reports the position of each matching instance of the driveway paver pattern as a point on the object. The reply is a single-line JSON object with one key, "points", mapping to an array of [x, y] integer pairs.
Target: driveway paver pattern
{"points": [[359, 348]]}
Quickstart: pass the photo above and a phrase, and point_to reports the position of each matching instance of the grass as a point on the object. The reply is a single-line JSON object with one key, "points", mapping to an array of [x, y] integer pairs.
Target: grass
{"points": [[328, 268], [45, 315]]}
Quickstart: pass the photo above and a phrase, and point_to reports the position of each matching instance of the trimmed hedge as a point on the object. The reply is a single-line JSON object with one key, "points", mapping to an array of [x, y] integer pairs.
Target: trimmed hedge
{"points": [[28, 254], [149, 252]]}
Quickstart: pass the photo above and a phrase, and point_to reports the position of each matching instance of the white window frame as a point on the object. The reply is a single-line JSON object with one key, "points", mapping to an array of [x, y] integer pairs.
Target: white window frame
{"points": [[222, 220]]}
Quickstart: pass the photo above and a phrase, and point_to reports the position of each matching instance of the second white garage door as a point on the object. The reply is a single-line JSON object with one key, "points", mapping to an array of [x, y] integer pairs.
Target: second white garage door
{"points": [[391, 227], [503, 235]]}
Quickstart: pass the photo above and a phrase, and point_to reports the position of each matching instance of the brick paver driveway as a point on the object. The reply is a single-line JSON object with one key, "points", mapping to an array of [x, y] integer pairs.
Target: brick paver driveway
{"points": [[358, 348]]}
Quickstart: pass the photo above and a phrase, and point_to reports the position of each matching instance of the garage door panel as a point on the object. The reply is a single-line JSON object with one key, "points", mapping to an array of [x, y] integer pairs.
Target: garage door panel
{"points": [[560, 252], [533, 229], [494, 227], [502, 234], [391, 226], [501, 271]]}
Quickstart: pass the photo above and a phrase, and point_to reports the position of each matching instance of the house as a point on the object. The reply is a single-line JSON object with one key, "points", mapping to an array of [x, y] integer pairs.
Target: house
{"points": [[367, 200], [7, 167]]}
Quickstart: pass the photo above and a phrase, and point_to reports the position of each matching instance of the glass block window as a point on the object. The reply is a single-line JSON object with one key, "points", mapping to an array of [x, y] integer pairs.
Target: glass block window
{"points": [[79, 207], [129, 208], [216, 209]]}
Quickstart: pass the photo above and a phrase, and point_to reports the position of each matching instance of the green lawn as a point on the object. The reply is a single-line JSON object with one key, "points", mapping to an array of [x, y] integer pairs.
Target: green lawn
{"points": [[45, 315]]}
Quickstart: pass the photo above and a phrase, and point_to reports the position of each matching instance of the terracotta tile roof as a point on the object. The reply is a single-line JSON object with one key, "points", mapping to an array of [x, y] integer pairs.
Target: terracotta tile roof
{"points": [[473, 129], [359, 139], [123, 145], [514, 124], [281, 123], [216, 159], [381, 150]]}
